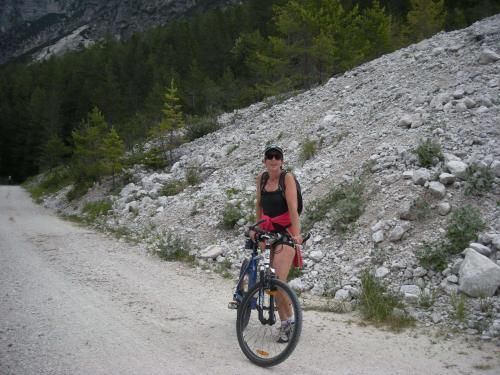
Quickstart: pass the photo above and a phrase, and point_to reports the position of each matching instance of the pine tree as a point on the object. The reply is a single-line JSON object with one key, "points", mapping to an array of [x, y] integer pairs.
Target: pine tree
{"points": [[172, 122], [112, 151], [88, 158], [425, 18], [53, 152]]}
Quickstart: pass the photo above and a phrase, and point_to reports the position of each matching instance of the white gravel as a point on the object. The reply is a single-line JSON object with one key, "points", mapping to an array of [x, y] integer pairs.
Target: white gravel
{"points": [[73, 301]]}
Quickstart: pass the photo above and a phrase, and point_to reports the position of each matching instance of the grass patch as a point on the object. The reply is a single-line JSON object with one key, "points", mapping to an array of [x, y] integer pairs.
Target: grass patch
{"points": [[224, 268], [294, 273], [80, 188], [427, 300], [433, 256], [192, 177], [308, 149], [92, 210], [464, 227], [197, 127], [342, 204], [428, 152], [230, 216], [51, 182], [174, 248], [478, 180], [378, 305], [420, 209], [172, 188], [458, 302]]}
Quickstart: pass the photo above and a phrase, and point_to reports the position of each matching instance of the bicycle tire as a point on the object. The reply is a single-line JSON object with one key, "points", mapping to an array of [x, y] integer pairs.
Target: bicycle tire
{"points": [[243, 290], [261, 354]]}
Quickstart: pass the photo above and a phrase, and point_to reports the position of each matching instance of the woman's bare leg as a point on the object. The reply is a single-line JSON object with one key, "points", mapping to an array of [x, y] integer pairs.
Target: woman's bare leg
{"points": [[282, 261]]}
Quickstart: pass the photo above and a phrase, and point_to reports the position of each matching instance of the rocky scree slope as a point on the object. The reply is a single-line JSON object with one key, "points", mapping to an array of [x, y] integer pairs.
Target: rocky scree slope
{"points": [[43, 28], [368, 121]]}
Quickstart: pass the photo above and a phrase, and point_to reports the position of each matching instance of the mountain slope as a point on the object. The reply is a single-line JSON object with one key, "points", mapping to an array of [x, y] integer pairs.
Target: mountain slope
{"points": [[43, 27], [367, 121]]}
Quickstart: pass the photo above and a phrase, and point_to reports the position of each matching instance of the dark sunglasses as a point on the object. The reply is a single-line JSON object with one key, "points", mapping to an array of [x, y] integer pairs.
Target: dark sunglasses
{"points": [[274, 155]]}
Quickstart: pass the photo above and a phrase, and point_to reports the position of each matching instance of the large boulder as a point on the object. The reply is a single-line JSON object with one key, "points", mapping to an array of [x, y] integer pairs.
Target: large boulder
{"points": [[479, 276]]}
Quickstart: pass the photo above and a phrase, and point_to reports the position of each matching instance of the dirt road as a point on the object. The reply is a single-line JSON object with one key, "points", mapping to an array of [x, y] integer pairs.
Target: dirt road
{"points": [[73, 301]]}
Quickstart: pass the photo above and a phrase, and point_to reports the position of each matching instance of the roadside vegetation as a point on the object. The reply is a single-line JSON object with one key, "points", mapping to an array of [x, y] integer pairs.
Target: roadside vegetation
{"points": [[464, 226], [342, 206], [380, 306]]}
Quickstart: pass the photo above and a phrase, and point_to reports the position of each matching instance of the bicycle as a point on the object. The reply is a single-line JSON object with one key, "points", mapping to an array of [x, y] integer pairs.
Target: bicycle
{"points": [[257, 296]]}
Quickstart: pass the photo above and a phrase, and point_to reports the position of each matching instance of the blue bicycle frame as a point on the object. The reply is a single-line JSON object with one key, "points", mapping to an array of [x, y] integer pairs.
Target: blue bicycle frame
{"points": [[251, 270]]}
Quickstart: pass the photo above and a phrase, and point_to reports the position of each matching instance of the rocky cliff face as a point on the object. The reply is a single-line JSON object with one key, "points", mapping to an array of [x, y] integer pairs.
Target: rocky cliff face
{"points": [[60, 25]]}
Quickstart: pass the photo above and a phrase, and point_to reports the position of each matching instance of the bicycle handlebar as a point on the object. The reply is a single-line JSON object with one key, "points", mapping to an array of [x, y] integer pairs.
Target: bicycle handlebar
{"points": [[276, 236]]}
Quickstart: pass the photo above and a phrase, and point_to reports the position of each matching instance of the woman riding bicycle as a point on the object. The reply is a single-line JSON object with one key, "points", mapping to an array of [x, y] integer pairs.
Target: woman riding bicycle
{"points": [[279, 210]]}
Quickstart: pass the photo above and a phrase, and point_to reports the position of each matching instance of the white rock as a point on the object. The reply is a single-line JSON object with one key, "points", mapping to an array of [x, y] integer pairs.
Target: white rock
{"points": [[446, 178], [457, 168], [212, 251], [437, 189], [378, 236], [452, 279], [444, 208], [381, 272], [316, 255], [421, 176], [342, 295], [479, 276], [488, 56], [419, 272], [408, 175], [296, 284], [480, 248], [495, 167], [410, 289], [399, 230]]}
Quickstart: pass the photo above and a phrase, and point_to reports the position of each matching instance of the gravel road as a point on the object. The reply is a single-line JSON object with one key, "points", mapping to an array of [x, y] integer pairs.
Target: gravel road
{"points": [[74, 301]]}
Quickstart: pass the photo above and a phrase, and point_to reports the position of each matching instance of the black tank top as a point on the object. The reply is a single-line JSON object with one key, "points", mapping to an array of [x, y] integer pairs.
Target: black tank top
{"points": [[273, 203]]}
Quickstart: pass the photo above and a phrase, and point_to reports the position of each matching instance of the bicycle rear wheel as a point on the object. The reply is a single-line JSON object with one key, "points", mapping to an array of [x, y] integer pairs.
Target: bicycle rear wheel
{"points": [[258, 324]]}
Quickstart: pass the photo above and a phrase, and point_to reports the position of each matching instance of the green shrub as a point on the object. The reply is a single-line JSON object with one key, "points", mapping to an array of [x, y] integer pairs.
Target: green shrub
{"points": [[378, 305], [308, 149], [174, 248], [433, 256], [294, 273], [152, 159], [224, 268], [458, 304], [192, 177], [172, 188], [346, 203], [464, 227], [420, 209], [92, 210], [231, 149], [479, 180], [347, 211], [230, 216], [428, 152], [197, 127], [79, 189], [51, 182]]}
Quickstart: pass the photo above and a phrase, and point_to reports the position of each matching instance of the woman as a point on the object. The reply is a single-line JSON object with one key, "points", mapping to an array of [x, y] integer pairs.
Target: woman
{"points": [[279, 210]]}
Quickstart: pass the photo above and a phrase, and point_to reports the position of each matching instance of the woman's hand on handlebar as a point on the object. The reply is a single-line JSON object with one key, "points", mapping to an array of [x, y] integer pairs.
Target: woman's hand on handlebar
{"points": [[252, 234]]}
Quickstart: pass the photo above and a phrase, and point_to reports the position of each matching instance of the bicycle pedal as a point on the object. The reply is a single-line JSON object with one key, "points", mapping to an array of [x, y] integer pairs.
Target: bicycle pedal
{"points": [[233, 305]]}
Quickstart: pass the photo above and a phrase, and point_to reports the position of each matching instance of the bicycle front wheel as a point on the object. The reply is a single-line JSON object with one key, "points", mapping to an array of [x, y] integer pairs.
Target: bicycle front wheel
{"points": [[258, 326]]}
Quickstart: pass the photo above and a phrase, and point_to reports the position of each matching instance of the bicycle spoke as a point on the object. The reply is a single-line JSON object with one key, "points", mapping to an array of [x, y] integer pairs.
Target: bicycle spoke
{"points": [[258, 339]]}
